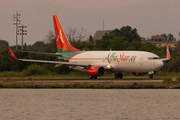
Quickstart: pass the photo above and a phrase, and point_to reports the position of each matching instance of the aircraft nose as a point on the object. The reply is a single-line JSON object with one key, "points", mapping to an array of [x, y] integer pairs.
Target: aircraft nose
{"points": [[159, 64]]}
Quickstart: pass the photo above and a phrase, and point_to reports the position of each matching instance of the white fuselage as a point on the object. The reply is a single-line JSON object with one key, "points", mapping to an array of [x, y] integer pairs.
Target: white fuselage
{"points": [[120, 61]]}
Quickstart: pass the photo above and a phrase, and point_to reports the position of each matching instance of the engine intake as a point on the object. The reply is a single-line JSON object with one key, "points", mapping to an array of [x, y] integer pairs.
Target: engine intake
{"points": [[96, 71]]}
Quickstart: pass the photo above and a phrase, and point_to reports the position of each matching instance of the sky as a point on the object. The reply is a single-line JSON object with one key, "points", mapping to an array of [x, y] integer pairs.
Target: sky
{"points": [[95, 4], [149, 17]]}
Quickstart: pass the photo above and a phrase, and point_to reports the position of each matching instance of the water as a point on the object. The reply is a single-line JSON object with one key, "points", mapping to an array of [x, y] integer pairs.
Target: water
{"points": [[89, 104]]}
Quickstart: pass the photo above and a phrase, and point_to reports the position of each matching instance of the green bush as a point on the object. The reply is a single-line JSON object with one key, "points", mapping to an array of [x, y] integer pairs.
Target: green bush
{"points": [[8, 74], [35, 70], [176, 87], [91, 86], [167, 80], [135, 83], [149, 86]]}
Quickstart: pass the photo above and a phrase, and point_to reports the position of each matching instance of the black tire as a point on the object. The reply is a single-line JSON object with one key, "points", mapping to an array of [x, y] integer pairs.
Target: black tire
{"points": [[116, 76], [150, 76], [120, 76], [92, 77]]}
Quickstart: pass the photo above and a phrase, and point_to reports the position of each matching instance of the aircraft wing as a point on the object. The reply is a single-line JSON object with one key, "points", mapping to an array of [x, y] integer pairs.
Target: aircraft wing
{"points": [[55, 62], [45, 61], [58, 63], [168, 57]]}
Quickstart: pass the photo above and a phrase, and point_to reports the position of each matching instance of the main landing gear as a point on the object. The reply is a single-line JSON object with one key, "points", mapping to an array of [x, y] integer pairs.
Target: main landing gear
{"points": [[151, 76], [92, 77], [118, 76]]}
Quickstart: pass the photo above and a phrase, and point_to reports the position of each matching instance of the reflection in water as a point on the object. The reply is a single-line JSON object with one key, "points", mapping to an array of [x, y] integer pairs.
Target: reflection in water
{"points": [[83, 104]]}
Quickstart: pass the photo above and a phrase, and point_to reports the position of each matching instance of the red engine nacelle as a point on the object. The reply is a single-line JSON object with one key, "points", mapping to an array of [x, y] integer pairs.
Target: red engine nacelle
{"points": [[139, 74], [96, 71]]}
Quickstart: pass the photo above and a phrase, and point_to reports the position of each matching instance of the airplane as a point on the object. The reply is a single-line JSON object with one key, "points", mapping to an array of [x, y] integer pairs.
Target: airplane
{"points": [[97, 63]]}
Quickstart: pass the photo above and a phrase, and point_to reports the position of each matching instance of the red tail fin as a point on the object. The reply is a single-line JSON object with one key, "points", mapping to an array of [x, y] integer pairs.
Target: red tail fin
{"points": [[168, 57], [167, 52], [61, 39]]}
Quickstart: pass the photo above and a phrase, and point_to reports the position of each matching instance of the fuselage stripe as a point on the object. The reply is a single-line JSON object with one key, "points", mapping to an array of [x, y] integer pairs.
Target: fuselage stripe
{"points": [[74, 56]]}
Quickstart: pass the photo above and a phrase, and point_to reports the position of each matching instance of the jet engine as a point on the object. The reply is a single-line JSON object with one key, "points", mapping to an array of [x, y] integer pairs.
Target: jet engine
{"points": [[139, 74], [96, 71]]}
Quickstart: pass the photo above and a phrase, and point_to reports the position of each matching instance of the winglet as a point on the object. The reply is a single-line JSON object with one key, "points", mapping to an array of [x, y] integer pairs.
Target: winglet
{"points": [[167, 54], [13, 56]]}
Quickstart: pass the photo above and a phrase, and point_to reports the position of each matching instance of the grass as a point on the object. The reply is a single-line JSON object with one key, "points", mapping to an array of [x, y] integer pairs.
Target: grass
{"points": [[82, 75], [89, 85], [73, 75], [167, 81]]}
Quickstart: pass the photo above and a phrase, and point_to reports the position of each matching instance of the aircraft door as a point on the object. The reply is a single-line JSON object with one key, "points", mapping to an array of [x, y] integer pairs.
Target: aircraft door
{"points": [[154, 63], [141, 60]]}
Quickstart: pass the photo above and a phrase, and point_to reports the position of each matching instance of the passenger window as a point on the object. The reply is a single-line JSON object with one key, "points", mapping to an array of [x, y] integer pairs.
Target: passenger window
{"points": [[153, 58]]}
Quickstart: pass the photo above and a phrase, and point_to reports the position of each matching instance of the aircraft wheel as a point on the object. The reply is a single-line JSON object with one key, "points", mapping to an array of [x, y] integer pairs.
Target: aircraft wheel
{"points": [[92, 77], [150, 76], [118, 76]]}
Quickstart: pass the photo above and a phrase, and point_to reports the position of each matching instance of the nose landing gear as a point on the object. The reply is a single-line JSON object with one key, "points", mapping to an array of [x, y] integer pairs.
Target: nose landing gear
{"points": [[151, 76]]}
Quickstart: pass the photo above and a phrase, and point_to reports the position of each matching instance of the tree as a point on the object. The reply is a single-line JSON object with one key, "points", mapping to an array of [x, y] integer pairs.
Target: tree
{"points": [[148, 47], [39, 46], [91, 39], [174, 64], [106, 42], [9, 64], [50, 36], [170, 37], [3, 44], [136, 44], [25, 46], [48, 45], [178, 47], [51, 46], [127, 33], [74, 35], [85, 45], [125, 45], [164, 35], [124, 39]]}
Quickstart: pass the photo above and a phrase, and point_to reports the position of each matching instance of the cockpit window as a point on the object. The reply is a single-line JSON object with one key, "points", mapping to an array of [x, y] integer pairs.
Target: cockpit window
{"points": [[153, 58]]}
